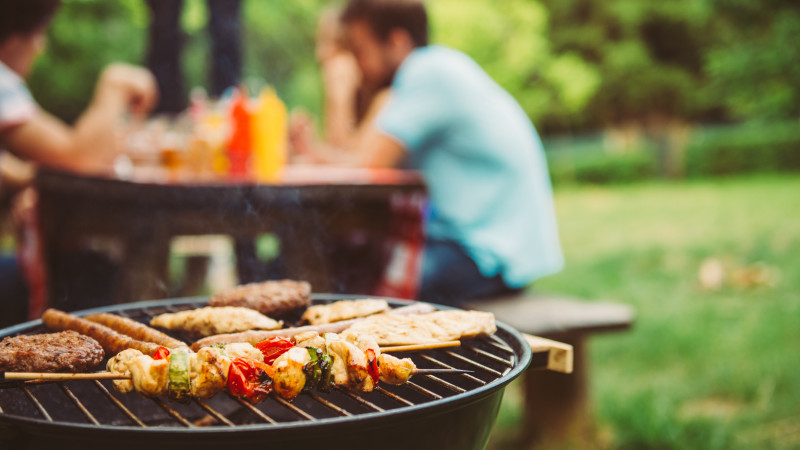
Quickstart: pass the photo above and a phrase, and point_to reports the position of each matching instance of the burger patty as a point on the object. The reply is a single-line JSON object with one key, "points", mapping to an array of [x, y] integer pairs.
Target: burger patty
{"points": [[271, 298], [65, 351]]}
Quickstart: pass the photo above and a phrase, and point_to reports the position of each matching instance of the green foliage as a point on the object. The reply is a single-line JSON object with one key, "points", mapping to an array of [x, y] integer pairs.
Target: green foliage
{"points": [[759, 75], [574, 65], [648, 56], [751, 148], [84, 37], [510, 42], [700, 369], [602, 167], [279, 48]]}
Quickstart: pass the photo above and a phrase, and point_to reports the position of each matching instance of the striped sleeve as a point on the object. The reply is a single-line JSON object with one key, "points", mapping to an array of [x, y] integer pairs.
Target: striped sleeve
{"points": [[16, 103]]}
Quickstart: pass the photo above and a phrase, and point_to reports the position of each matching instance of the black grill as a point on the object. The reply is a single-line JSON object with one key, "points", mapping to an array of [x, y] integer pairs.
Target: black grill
{"points": [[86, 412]]}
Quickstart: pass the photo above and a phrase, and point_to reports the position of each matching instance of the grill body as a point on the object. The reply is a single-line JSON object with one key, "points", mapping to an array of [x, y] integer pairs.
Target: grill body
{"points": [[443, 412]]}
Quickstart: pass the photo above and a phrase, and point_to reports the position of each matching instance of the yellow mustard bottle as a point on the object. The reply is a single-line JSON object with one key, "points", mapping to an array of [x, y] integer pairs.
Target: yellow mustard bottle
{"points": [[215, 130], [269, 136]]}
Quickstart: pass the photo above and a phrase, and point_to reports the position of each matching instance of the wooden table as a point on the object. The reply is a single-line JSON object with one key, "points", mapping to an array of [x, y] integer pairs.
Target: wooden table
{"points": [[308, 209]]}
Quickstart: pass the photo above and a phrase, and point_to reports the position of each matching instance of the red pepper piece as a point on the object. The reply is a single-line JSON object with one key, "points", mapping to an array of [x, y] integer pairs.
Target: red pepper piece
{"points": [[161, 353], [372, 365], [274, 347]]}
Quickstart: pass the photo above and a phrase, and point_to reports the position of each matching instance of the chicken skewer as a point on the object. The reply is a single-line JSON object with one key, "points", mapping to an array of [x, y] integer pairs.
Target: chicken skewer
{"points": [[287, 367]]}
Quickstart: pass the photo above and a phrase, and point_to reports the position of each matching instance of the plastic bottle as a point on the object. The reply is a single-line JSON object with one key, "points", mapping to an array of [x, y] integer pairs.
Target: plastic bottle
{"points": [[240, 143], [269, 136]]}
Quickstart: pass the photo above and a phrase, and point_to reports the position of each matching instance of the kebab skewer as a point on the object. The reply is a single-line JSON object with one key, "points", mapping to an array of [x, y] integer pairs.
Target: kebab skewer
{"points": [[252, 372]]}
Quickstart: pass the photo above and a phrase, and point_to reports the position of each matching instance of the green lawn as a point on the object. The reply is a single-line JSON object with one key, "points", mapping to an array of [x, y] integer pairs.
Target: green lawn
{"points": [[702, 368]]}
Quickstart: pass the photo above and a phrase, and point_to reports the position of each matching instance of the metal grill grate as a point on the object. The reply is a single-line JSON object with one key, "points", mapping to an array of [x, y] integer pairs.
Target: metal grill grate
{"points": [[96, 404]]}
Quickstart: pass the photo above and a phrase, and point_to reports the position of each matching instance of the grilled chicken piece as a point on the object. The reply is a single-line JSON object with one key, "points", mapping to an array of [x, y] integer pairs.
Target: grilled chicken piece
{"points": [[350, 366], [119, 364], [310, 339], [439, 326], [208, 372], [363, 341], [150, 376], [243, 350], [394, 370], [215, 320], [289, 378], [343, 310]]}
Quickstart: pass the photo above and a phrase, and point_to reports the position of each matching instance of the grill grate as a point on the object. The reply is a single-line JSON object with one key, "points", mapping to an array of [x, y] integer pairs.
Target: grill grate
{"points": [[95, 403]]}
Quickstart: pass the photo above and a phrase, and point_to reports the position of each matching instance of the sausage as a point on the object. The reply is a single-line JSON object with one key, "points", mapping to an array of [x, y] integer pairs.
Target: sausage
{"points": [[134, 329], [256, 336], [111, 341]]}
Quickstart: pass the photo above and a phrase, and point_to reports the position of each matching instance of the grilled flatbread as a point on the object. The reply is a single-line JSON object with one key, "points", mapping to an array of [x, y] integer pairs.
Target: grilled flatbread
{"points": [[437, 326], [343, 310]]}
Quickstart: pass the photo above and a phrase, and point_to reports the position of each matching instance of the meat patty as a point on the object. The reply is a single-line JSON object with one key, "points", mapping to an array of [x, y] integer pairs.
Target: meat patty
{"points": [[65, 351], [271, 298]]}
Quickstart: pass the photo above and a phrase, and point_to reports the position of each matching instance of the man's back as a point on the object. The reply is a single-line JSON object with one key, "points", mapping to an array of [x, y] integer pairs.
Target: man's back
{"points": [[482, 160]]}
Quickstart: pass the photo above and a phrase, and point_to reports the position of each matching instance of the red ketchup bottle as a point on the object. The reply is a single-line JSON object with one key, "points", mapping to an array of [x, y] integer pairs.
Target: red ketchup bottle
{"points": [[240, 143]]}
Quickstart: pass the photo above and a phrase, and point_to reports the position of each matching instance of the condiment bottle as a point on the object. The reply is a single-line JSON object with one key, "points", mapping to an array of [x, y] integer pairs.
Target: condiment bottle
{"points": [[240, 142], [269, 136]]}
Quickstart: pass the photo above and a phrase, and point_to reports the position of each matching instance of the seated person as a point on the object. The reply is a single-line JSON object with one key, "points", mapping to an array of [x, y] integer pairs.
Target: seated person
{"points": [[349, 104], [492, 228], [33, 135]]}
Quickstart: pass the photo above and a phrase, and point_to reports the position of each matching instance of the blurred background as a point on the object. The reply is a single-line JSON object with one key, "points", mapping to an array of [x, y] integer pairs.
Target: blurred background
{"points": [[672, 130]]}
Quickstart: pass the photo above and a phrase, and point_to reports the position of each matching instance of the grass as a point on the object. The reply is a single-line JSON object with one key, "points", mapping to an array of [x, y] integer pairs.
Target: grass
{"points": [[714, 367]]}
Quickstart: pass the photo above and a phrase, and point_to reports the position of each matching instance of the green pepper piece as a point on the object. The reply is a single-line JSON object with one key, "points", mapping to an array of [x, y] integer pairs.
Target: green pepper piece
{"points": [[326, 380], [312, 369], [179, 387]]}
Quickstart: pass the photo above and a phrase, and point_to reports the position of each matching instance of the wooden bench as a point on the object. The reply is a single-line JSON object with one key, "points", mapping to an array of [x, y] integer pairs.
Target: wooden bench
{"points": [[557, 405]]}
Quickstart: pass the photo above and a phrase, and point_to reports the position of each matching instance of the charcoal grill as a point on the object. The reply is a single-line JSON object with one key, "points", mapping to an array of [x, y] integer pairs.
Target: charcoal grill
{"points": [[453, 411]]}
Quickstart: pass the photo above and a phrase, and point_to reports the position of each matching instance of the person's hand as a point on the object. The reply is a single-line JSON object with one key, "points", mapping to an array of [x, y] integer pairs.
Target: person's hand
{"points": [[301, 133], [341, 76], [135, 87]]}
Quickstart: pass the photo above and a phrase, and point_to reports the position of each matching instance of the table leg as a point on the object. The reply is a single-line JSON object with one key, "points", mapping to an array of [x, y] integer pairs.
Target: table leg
{"points": [[557, 404], [144, 274], [304, 254]]}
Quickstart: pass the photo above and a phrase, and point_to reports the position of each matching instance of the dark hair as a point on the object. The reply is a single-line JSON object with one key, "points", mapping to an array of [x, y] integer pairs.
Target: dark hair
{"points": [[25, 16], [385, 15]]}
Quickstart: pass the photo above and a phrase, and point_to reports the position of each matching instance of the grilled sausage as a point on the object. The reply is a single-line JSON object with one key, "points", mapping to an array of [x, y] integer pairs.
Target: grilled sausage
{"points": [[134, 329], [111, 341], [256, 336], [271, 298]]}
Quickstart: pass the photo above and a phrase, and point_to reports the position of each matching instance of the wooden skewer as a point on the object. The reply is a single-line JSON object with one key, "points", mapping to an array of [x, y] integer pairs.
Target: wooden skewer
{"points": [[416, 347], [38, 377], [47, 376]]}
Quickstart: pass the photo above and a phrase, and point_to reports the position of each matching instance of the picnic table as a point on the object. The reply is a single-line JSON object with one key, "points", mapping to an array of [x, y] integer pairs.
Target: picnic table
{"points": [[309, 209]]}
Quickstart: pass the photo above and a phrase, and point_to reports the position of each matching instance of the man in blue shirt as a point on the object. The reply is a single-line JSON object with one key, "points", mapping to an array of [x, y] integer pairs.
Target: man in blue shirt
{"points": [[493, 227]]}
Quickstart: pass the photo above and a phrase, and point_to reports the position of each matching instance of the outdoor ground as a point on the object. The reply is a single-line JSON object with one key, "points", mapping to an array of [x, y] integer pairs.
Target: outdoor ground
{"points": [[712, 361]]}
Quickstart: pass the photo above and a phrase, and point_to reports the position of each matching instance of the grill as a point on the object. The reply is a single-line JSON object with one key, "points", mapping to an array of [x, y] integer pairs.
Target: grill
{"points": [[431, 411]]}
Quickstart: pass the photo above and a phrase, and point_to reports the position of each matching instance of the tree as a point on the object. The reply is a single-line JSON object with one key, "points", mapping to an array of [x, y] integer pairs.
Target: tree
{"points": [[754, 66], [510, 41]]}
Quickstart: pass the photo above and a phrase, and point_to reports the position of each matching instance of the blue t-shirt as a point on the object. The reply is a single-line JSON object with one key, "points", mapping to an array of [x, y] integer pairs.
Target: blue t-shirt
{"points": [[482, 161]]}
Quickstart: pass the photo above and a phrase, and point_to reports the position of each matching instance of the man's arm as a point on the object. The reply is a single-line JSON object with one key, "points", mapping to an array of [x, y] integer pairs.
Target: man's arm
{"points": [[377, 150], [371, 147], [89, 145]]}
